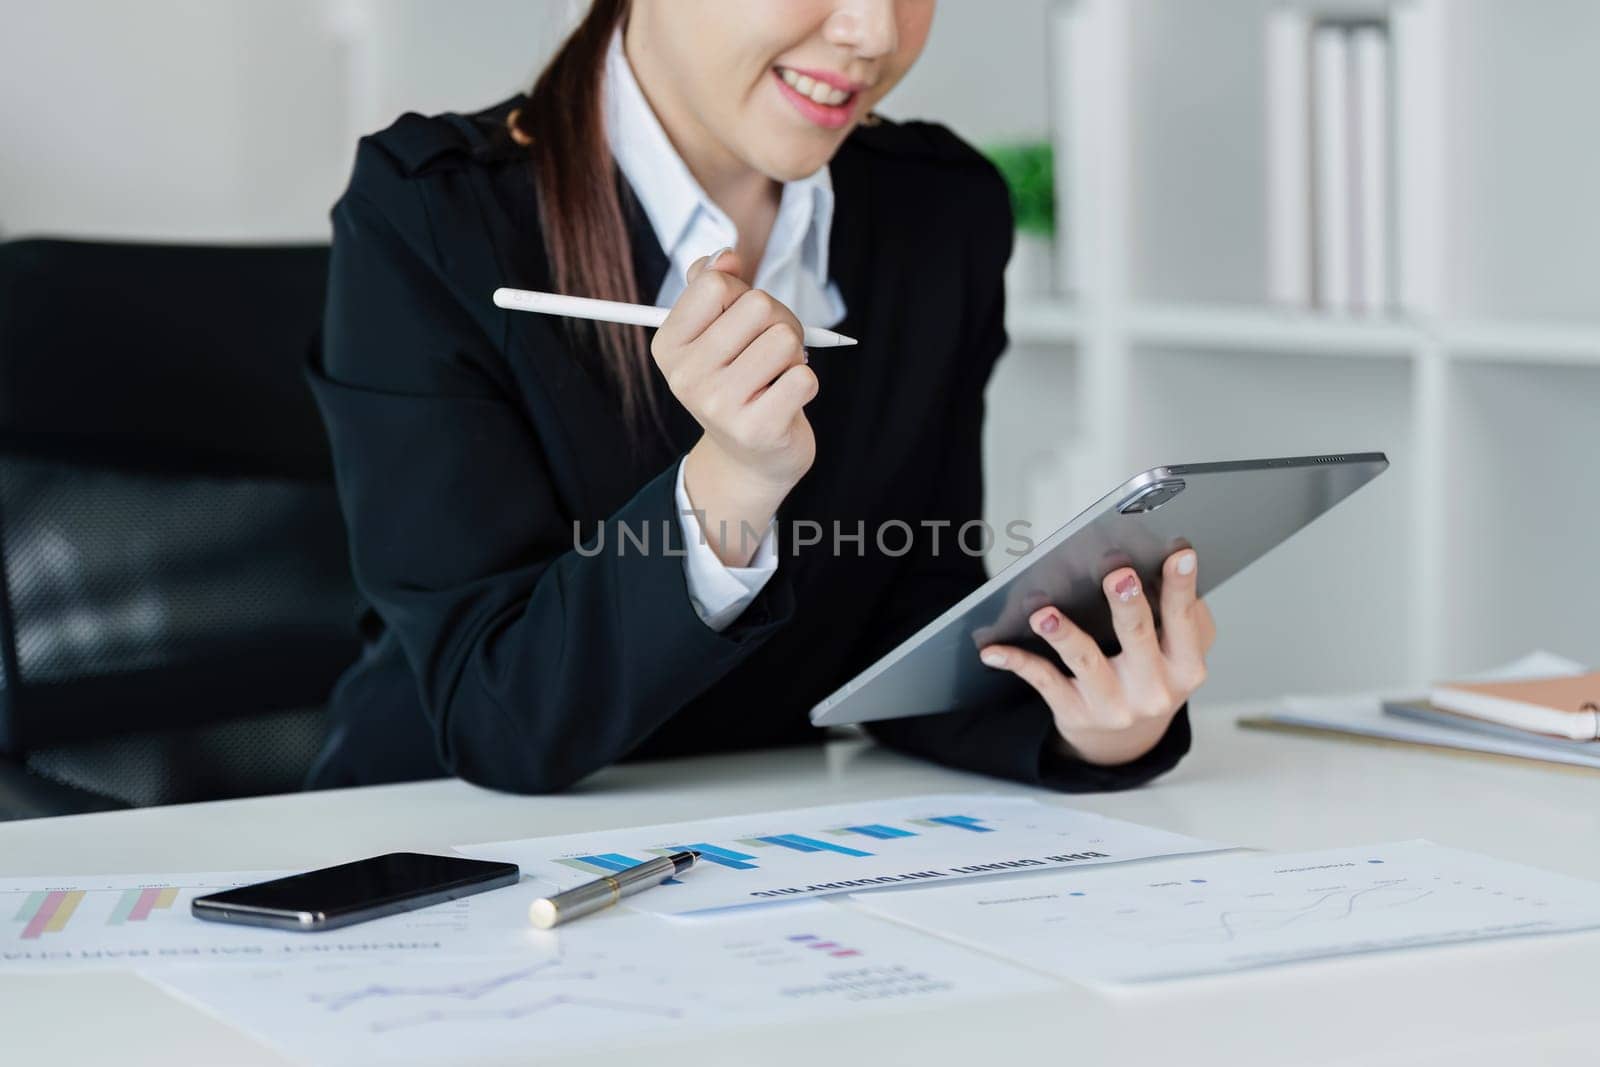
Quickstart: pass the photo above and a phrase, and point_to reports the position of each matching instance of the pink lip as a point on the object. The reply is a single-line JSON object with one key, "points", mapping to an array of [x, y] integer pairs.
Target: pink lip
{"points": [[830, 118]]}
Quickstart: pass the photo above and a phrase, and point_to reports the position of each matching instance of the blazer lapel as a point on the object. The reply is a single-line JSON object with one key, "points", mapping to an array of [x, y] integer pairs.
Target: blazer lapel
{"points": [[848, 248], [650, 266]]}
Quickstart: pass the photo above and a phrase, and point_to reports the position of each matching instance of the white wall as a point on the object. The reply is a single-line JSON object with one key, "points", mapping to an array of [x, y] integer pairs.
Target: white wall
{"points": [[235, 119], [168, 118], [984, 72], [1521, 166]]}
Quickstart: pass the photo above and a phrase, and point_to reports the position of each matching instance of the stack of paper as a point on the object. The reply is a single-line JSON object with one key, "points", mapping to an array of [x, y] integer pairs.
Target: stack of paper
{"points": [[1398, 720]]}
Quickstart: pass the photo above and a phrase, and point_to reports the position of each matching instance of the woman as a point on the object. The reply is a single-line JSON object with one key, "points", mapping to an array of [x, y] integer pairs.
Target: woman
{"points": [[499, 471]]}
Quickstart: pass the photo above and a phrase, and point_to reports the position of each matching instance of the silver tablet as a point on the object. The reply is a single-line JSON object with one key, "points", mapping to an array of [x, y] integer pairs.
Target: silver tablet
{"points": [[1229, 513]]}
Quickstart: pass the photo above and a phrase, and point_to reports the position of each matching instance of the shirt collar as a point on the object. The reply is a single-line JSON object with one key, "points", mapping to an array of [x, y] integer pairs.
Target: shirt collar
{"points": [[671, 197]]}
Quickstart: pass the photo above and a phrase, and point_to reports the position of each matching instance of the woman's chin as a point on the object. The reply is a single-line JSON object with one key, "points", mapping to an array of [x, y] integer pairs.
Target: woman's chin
{"points": [[791, 159]]}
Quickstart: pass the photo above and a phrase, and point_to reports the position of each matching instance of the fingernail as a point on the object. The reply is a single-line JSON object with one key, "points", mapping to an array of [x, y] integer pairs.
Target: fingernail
{"points": [[993, 658], [1127, 589], [1047, 623], [1186, 564], [711, 260]]}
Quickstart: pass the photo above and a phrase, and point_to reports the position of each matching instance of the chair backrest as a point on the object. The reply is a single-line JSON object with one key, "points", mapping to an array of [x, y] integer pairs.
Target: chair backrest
{"points": [[175, 577]]}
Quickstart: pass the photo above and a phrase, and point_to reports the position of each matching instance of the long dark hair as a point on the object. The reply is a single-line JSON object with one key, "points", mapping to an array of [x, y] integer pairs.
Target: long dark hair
{"points": [[580, 205]]}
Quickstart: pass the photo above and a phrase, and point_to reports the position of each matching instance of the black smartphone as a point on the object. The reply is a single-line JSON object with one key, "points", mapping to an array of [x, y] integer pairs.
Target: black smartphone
{"points": [[355, 892]]}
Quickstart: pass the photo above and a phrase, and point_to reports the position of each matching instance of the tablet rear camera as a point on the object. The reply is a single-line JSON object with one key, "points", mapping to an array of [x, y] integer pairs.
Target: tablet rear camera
{"points": [[1152, 497]]}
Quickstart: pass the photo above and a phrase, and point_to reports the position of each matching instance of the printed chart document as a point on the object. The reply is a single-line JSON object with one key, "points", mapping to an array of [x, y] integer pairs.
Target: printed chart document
{"points": [[617, 978], [1215, 914], [808, 852], [142, 920]]}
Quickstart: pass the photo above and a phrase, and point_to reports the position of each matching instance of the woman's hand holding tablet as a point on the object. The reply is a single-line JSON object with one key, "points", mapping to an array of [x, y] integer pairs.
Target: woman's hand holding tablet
{"points": [[1114, 709], [1072, 621], [734, 357]]}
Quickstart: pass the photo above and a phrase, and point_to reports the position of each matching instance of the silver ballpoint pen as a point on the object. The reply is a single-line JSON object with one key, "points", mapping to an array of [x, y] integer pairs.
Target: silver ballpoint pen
{"points": [[607, 889]]}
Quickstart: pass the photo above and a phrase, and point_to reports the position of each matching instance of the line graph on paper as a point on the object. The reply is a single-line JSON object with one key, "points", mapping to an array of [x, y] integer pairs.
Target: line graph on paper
{"points": [[500, 995], [517, 1012], [609, 981], [1211, 914], [1197, 920], [467, 990]]}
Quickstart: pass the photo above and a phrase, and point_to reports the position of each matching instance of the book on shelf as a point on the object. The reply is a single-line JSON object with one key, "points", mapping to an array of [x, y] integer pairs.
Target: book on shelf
{"points": [[1067, 42], [1371, 108], [1330, 174], [1288, 101], [1331, 150]]}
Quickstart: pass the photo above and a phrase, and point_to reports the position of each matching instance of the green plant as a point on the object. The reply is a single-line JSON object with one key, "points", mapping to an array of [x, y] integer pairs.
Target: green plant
{"points": [[1029, 171]]}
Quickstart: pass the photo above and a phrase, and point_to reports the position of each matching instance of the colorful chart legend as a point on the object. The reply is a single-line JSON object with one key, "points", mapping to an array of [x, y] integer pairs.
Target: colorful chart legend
{"points": [[832, 948]]}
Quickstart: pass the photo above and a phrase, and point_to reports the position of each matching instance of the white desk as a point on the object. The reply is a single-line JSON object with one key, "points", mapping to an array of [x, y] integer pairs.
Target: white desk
{"points": [[1513, 1002]]}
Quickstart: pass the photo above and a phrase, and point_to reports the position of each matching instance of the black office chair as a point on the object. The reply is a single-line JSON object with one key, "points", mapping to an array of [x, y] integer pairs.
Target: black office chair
{"points": [[175, 595]]}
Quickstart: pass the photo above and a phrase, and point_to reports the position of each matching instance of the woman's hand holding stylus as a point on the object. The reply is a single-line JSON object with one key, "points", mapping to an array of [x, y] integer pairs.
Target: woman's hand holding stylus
{"points": [[1112, 710], [733, 357]]}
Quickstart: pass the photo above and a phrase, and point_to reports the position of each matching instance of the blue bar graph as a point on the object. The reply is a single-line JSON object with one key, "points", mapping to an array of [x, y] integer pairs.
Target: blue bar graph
{"points": [[734, 859], [607, 862], [725, 857], [811, 844], [880, 831]]}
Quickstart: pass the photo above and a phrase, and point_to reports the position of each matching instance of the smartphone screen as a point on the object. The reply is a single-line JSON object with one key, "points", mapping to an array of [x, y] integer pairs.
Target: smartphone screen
{"points": [[355, 892]]}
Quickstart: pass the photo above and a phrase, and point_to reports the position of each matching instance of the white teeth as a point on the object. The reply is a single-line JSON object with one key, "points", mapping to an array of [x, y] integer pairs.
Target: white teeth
{"points": [[821, 92]]}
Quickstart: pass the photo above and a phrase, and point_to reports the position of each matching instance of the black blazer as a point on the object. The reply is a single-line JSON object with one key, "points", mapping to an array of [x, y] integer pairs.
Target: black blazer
{"points": [[468, 441]]}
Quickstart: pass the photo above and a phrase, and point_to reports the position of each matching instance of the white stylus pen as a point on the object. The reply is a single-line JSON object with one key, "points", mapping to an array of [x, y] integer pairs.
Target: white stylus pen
{"points": [[581, 307]]}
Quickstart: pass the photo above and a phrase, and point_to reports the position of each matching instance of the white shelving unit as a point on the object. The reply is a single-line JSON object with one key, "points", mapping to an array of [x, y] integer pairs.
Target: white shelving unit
{"points": [[1476, 545]]}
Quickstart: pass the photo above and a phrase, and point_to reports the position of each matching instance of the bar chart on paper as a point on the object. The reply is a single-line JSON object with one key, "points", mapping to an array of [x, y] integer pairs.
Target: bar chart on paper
{"points": [[51, 914], [48, 911], [779, 856], [144, 920], [617, 979]]}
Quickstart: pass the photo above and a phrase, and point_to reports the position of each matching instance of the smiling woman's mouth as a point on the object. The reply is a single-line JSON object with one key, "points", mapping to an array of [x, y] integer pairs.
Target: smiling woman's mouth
{"points": [[824, 99], [818, 91]]}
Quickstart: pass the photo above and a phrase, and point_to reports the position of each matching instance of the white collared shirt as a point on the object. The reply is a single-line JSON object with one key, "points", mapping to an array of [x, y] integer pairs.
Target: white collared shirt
{"points": [[688, 225]]}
